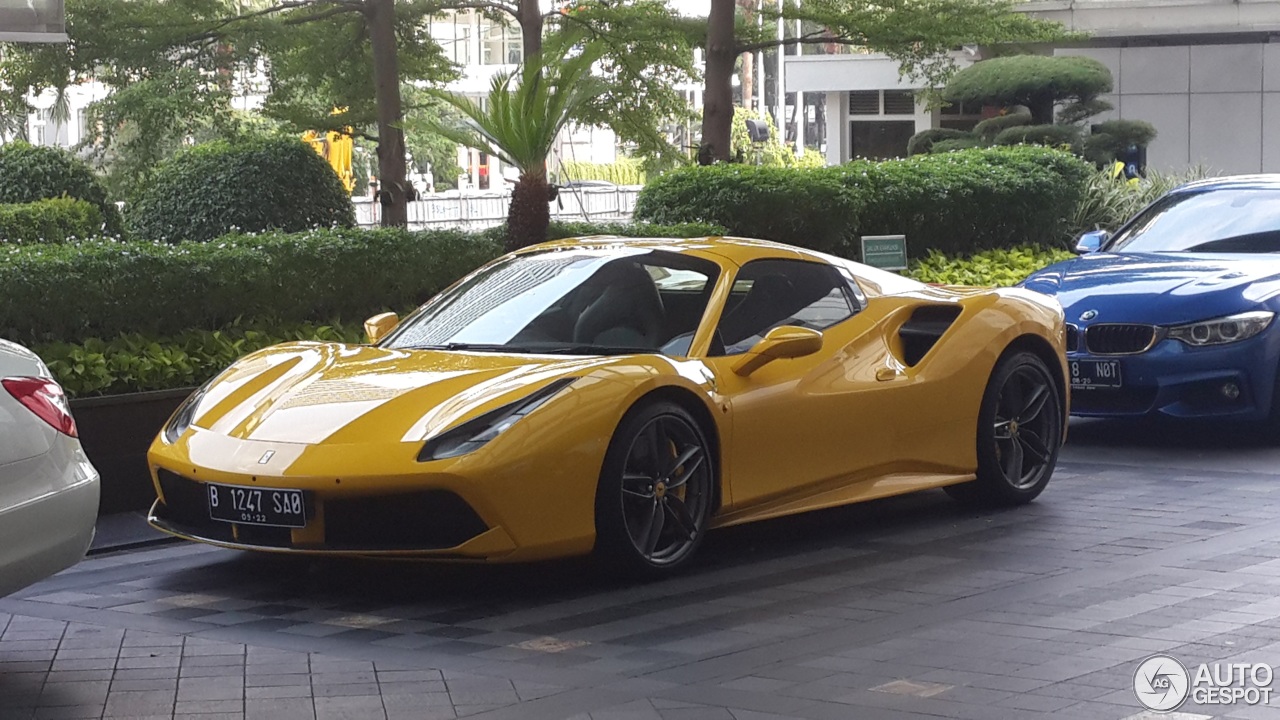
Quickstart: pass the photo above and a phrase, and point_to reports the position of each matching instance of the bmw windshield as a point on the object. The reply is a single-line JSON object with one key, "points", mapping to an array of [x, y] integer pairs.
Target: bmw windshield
{"points": [[1231, 220], [574, 301]]}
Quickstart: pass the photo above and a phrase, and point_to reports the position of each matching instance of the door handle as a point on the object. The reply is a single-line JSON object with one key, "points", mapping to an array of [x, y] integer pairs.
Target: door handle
{"points": [[885, 374]]}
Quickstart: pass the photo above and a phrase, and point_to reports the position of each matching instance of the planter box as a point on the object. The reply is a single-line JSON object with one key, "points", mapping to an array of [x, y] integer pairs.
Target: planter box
{"points": [[116, 431]]}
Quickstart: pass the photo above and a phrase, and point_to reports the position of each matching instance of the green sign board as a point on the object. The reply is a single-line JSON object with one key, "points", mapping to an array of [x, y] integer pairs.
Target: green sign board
{"points": [[887, 252]]}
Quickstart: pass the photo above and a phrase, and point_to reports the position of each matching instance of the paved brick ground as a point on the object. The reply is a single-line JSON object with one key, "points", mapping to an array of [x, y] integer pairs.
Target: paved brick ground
{"points": [[1149, 540]]}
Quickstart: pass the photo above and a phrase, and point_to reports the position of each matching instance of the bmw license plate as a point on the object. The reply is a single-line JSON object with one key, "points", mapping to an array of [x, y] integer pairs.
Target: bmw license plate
{"points": [[1090, 374], [257, 506]]}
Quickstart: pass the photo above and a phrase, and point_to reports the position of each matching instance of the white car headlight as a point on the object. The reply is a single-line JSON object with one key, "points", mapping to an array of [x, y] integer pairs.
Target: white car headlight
{"points": [[1220, 331]]}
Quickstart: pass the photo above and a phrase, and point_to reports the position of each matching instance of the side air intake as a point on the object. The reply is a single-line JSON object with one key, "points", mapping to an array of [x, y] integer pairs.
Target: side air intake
{"points": [[921, 332]]}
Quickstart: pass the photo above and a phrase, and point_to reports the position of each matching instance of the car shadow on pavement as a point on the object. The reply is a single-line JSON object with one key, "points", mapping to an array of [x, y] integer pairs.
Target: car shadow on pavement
{"points": [[490, 588]]}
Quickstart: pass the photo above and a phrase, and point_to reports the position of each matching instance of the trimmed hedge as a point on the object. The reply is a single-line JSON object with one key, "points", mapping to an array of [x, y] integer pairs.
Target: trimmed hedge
{"points": [[49, 221], [1048, 135], [803, 206], [320, 276], [137, 363], [31, 173], [955, 202], [275, 183], [160, 290]]}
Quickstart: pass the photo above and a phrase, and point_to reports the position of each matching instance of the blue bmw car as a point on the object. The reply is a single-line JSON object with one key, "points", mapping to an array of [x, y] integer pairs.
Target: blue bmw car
{"points": [[1175, 314]]}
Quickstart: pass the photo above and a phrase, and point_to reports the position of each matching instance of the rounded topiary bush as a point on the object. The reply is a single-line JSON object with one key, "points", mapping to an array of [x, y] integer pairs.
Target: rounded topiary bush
{"points": [[923, 141], [1048, 135], [30, 173], [276, 183]]}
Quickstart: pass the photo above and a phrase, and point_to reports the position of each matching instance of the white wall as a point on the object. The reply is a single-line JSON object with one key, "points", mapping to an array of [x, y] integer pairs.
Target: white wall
{"points": [[1212, 105]]}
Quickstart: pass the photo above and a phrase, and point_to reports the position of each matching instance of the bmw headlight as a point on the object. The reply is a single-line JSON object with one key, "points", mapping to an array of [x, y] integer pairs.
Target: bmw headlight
{"points": [[473, 434], [1220, 331], [184, 415]]}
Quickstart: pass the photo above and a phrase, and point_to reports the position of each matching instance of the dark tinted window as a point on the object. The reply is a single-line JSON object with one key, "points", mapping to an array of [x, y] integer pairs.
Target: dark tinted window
{"points": [[771, 293]]}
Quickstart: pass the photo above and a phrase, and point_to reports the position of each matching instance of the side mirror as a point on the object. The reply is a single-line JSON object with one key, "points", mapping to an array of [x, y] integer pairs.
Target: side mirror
{"points": [[778, 344], [1091, 241], [380, 326]]}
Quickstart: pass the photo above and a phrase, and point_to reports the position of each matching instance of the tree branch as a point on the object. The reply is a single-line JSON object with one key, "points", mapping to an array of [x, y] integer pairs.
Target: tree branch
{"points": [[810, 39]]}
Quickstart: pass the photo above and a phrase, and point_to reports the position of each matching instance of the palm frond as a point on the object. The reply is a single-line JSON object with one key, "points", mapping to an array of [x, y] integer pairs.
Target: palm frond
{"points": [[526, 109]]}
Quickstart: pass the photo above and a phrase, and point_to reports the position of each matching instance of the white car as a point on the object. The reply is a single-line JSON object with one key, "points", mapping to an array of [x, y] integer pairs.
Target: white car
{"points": [[48, 488]]}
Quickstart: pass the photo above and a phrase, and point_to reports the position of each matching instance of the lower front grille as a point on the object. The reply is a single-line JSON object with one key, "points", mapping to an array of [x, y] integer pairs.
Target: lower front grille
{"points": [[429, 520], [1119, 339]]}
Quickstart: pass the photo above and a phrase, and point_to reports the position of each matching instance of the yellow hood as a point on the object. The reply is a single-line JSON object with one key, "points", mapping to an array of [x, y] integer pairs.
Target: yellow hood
{"points": [[342, 394]]}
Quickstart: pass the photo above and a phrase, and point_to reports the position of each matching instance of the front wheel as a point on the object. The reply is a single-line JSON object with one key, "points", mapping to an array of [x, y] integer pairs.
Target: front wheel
{"points": [[1019, 433], [655, 495]]}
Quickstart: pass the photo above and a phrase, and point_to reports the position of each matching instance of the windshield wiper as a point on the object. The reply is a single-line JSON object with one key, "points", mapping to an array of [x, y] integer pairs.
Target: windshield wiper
{"points": [[480, 347]]}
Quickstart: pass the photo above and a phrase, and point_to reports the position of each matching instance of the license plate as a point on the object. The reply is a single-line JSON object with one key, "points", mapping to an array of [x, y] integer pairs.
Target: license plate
{"points": [[257, 506], [1089, 374]]}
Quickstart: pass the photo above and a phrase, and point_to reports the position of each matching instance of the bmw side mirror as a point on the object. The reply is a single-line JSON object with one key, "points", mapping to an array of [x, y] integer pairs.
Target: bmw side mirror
{"points": [[1091, 241], [780, 343], [380, 326]]}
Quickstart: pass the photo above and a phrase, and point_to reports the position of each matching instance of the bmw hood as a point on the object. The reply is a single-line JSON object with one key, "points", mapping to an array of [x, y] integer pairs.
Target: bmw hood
{"points": [[1158, 288], [343, 394]]}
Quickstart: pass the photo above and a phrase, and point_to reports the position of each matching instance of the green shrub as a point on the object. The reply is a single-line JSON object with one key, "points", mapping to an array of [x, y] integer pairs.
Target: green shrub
{"points": [[1057, 136], [137, 363], [623, 171], [990, 268], [255, 185], [806, 207], [923, 141], [49, 221], [946, 146], [1108, 202], [953, 202], [559, 230], [968, 200], [159, 289], [991, 127], [37, 172]]}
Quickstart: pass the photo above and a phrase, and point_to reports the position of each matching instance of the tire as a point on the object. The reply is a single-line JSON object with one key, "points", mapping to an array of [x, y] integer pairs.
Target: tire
{"points": [[652, 510], [1019, 434]]}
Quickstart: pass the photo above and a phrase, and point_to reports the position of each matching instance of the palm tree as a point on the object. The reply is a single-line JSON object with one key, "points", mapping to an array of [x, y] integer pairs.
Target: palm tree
{"points": [[518, 123]]}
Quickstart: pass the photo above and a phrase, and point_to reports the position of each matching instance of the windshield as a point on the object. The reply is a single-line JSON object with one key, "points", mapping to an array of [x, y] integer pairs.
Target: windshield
{"points": [[569, 301], [1236, 220]]}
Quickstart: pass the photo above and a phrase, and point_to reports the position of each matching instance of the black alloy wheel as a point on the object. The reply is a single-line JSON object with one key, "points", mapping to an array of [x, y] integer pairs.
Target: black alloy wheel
{"points": [[1019, 433], [656, 493]]}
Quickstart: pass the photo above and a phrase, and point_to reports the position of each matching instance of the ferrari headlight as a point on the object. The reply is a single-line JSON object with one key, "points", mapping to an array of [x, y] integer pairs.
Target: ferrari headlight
{"points": [[184, 415], [1220, 331], [473, 434]]}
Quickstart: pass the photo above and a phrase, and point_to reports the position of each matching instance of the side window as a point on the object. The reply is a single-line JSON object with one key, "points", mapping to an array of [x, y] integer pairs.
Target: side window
{"points": [[772, 293]]}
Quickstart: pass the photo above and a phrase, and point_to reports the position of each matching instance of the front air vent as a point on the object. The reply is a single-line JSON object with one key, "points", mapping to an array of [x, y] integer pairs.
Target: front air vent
{"points": [[1119, 339], [922, 331]]}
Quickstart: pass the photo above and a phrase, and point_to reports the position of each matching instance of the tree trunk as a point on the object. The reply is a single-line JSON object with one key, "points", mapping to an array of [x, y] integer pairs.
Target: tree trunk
{"points": [[529, 16], [529, 213], [1041, 110], [392, 184], [748, 58], [717, 103]]}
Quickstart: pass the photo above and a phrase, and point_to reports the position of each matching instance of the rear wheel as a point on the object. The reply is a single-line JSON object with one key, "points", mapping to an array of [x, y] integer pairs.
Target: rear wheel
{"points": [[1019, 433], [655, 494]]}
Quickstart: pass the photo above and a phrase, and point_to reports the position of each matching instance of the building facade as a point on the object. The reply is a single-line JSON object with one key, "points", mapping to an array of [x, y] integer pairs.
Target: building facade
{"points": [[1205, 74]]}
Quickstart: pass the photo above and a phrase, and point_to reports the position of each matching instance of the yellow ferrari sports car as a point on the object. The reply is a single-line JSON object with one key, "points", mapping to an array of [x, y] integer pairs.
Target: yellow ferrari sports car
{"points": [[620, 397]]}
